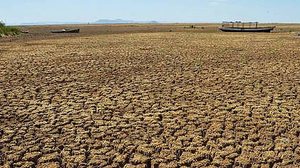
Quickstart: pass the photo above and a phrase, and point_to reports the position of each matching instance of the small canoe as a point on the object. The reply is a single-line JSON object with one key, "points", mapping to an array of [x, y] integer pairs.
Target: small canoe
{"points": [[66, 31], [25, 32]]}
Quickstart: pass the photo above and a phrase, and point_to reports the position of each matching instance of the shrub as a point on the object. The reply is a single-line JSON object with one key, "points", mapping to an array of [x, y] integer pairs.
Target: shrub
{"points": [[2, 24], [8, 30]]}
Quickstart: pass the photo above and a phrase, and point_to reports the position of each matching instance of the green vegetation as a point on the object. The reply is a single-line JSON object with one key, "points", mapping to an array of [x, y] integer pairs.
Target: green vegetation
{"points": [[8, 30]]}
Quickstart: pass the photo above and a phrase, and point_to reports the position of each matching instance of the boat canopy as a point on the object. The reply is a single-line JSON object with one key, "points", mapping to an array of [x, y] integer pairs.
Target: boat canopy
{"points": [[240, 24]]}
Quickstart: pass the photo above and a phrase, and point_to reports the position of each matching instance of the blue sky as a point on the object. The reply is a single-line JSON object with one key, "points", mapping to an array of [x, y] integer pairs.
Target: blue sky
{"points": [[28, 11]]}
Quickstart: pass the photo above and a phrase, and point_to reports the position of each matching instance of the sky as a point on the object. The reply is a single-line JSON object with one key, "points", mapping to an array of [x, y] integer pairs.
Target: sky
{"points": [[166, 11]]}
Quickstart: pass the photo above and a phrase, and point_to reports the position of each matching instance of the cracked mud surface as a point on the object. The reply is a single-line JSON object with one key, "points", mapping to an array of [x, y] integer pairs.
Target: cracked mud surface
{"points": [[151, 100]]}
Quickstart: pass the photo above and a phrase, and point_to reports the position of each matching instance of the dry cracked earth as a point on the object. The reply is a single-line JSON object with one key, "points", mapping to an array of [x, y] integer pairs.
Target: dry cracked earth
{"points": [[177, 99]]}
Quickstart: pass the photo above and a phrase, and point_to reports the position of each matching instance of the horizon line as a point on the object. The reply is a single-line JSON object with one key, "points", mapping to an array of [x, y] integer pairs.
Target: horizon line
{"points": [[95, 23]]}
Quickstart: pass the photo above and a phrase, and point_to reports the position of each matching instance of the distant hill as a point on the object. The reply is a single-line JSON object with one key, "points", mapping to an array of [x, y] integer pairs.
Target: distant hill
{"points": [[101, 21], [121, 21]]}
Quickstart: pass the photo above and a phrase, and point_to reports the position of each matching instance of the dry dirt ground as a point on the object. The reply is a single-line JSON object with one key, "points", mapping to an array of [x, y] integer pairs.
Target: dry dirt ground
{"points": [[160, 99]]}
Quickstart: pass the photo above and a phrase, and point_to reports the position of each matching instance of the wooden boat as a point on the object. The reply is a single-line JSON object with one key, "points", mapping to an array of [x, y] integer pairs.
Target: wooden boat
{"points": [[244, 27], [66, 31], [25, 32]]}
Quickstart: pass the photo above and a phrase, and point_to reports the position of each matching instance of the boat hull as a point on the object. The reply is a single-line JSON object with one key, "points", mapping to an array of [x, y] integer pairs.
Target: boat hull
{"points": [[237, 29], [66, 31]]}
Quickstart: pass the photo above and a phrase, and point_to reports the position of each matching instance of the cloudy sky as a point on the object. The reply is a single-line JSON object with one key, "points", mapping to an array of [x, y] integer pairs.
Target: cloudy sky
{"points": [[31, 11]]}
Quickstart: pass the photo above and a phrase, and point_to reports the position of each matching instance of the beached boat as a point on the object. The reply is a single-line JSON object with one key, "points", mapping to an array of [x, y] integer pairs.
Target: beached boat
{"points": [[66, 31], [244, 27]]}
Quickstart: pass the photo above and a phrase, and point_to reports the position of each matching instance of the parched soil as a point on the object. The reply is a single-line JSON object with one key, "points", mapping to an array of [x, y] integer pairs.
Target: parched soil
{"points": [[167, 99], [44, 32]]}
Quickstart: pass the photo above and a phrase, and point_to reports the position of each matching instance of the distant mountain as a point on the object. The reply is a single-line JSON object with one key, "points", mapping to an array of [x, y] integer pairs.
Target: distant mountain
{"points": [[121, 21], [101, 21]]}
